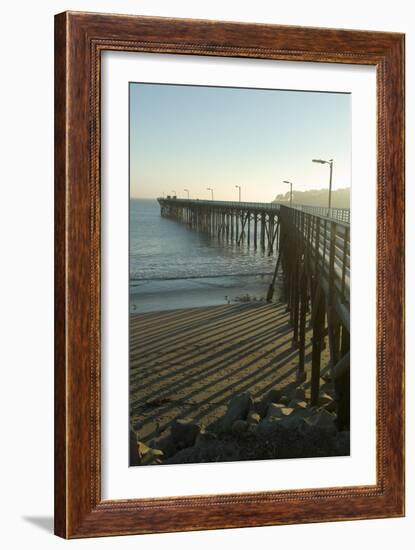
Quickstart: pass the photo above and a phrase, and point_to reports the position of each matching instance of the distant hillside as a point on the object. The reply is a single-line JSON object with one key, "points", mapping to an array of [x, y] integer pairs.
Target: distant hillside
{"points": [[340, 198]]}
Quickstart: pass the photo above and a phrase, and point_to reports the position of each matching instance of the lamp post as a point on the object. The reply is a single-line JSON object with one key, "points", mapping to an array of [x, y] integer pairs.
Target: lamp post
{"points": [[291, 191], [174, 193], [187, 191], [211, 190], [330, 163], [239, 187]]}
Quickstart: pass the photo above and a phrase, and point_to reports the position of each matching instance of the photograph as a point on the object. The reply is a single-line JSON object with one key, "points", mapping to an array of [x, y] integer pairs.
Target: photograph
{"points": [[239, 274], [206, 175]]}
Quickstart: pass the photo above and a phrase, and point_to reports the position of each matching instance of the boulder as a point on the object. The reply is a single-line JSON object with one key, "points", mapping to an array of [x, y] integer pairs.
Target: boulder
{"points": [[273, 396], [184, 432], [323, 421], [238, 409], [205, 437], [296, 404], [343, 443], [294, 390], [253, 417], [331, 406], [293, 424], [325, 399], [285, 399], [278, 410], [299, 394], [148, 456], [274, 409], [260, 406], [268, 426], [301, 409], [134, 456], [165, 443], [239, 427]]}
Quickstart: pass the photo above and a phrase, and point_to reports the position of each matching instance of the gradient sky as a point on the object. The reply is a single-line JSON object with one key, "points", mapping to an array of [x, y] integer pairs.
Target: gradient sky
{"points": [[196, 137]]}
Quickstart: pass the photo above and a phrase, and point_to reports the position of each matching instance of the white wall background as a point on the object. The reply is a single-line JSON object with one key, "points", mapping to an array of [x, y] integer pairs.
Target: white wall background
{"points": [[26, 268]]}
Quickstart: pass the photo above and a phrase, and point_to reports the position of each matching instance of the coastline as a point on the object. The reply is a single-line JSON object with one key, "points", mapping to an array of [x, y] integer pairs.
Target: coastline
{"points": [[190, 362], [170, 294]]}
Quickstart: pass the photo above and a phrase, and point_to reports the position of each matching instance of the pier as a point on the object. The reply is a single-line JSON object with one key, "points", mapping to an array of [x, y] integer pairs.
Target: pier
{"points": [[312, 250]]}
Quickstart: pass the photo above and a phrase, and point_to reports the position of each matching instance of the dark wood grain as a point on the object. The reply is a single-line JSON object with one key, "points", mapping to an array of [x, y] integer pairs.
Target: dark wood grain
{"points": [[79, 39]]}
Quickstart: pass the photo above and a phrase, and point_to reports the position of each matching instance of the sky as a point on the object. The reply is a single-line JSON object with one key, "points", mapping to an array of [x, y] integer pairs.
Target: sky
{"points": [[195, 137]]}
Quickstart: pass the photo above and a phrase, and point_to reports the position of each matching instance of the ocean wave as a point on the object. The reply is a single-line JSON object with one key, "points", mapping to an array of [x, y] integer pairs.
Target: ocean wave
{"points": [[136, 279]]}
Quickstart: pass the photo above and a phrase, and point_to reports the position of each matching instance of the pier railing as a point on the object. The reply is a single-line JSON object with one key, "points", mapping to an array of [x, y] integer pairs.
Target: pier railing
{"points": [[322, 245], [315, 256], [341, 214]]}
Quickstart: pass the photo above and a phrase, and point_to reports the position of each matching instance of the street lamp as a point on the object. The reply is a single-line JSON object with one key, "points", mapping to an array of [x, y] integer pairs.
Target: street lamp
{"points": [[187, 191], [174, 193], [211, 190], [239, 187], [291, 191], [330, 163]]}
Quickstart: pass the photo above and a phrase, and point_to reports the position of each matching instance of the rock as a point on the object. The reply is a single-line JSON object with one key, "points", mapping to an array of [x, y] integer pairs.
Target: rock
{"points": [[285, 399], [268, 426], [299, 394], [324, 421], [148, 456], [287, 411], [331, 406], [238, 409], [134, 456], [325, 399], [295, 404], [343, 443], [184, 432], [273, 396], [294, 424], [294, 390], [274, 409], [290, 388], [165, 443], [278, 410], [239, 427], [143, 449], [214, 451], [253, 418], [205, 437], [260, 406], [301, 409]]}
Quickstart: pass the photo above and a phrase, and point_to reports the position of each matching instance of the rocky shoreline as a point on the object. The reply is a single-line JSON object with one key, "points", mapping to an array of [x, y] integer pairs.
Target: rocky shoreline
{"points": [[279, 425]]}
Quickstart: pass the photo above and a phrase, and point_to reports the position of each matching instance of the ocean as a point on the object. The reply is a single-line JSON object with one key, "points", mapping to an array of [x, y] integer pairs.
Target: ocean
{"points": [[173, 266]]}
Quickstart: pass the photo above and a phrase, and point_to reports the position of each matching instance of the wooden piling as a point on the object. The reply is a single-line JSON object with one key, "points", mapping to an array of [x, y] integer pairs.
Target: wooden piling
{"points": [[302, 328], [317, 340]]}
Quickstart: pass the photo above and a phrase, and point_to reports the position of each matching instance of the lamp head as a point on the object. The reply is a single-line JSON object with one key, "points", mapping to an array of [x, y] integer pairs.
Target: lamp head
{"points": [[321, 161]]}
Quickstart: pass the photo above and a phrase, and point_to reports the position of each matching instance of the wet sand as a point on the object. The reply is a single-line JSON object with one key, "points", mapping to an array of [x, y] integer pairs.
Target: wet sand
{"points": [[189, 362], [168, 294]]}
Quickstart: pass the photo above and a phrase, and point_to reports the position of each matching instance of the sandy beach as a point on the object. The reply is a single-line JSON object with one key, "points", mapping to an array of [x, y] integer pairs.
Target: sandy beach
{"points": [[190, 362]]}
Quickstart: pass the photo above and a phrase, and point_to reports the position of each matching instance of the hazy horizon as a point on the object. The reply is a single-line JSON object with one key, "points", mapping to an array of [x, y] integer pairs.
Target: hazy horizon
{"points": [[195, 137]]}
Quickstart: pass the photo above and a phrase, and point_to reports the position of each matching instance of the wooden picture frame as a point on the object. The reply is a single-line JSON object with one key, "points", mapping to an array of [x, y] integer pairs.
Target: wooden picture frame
{"points": [[79, 40]]}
